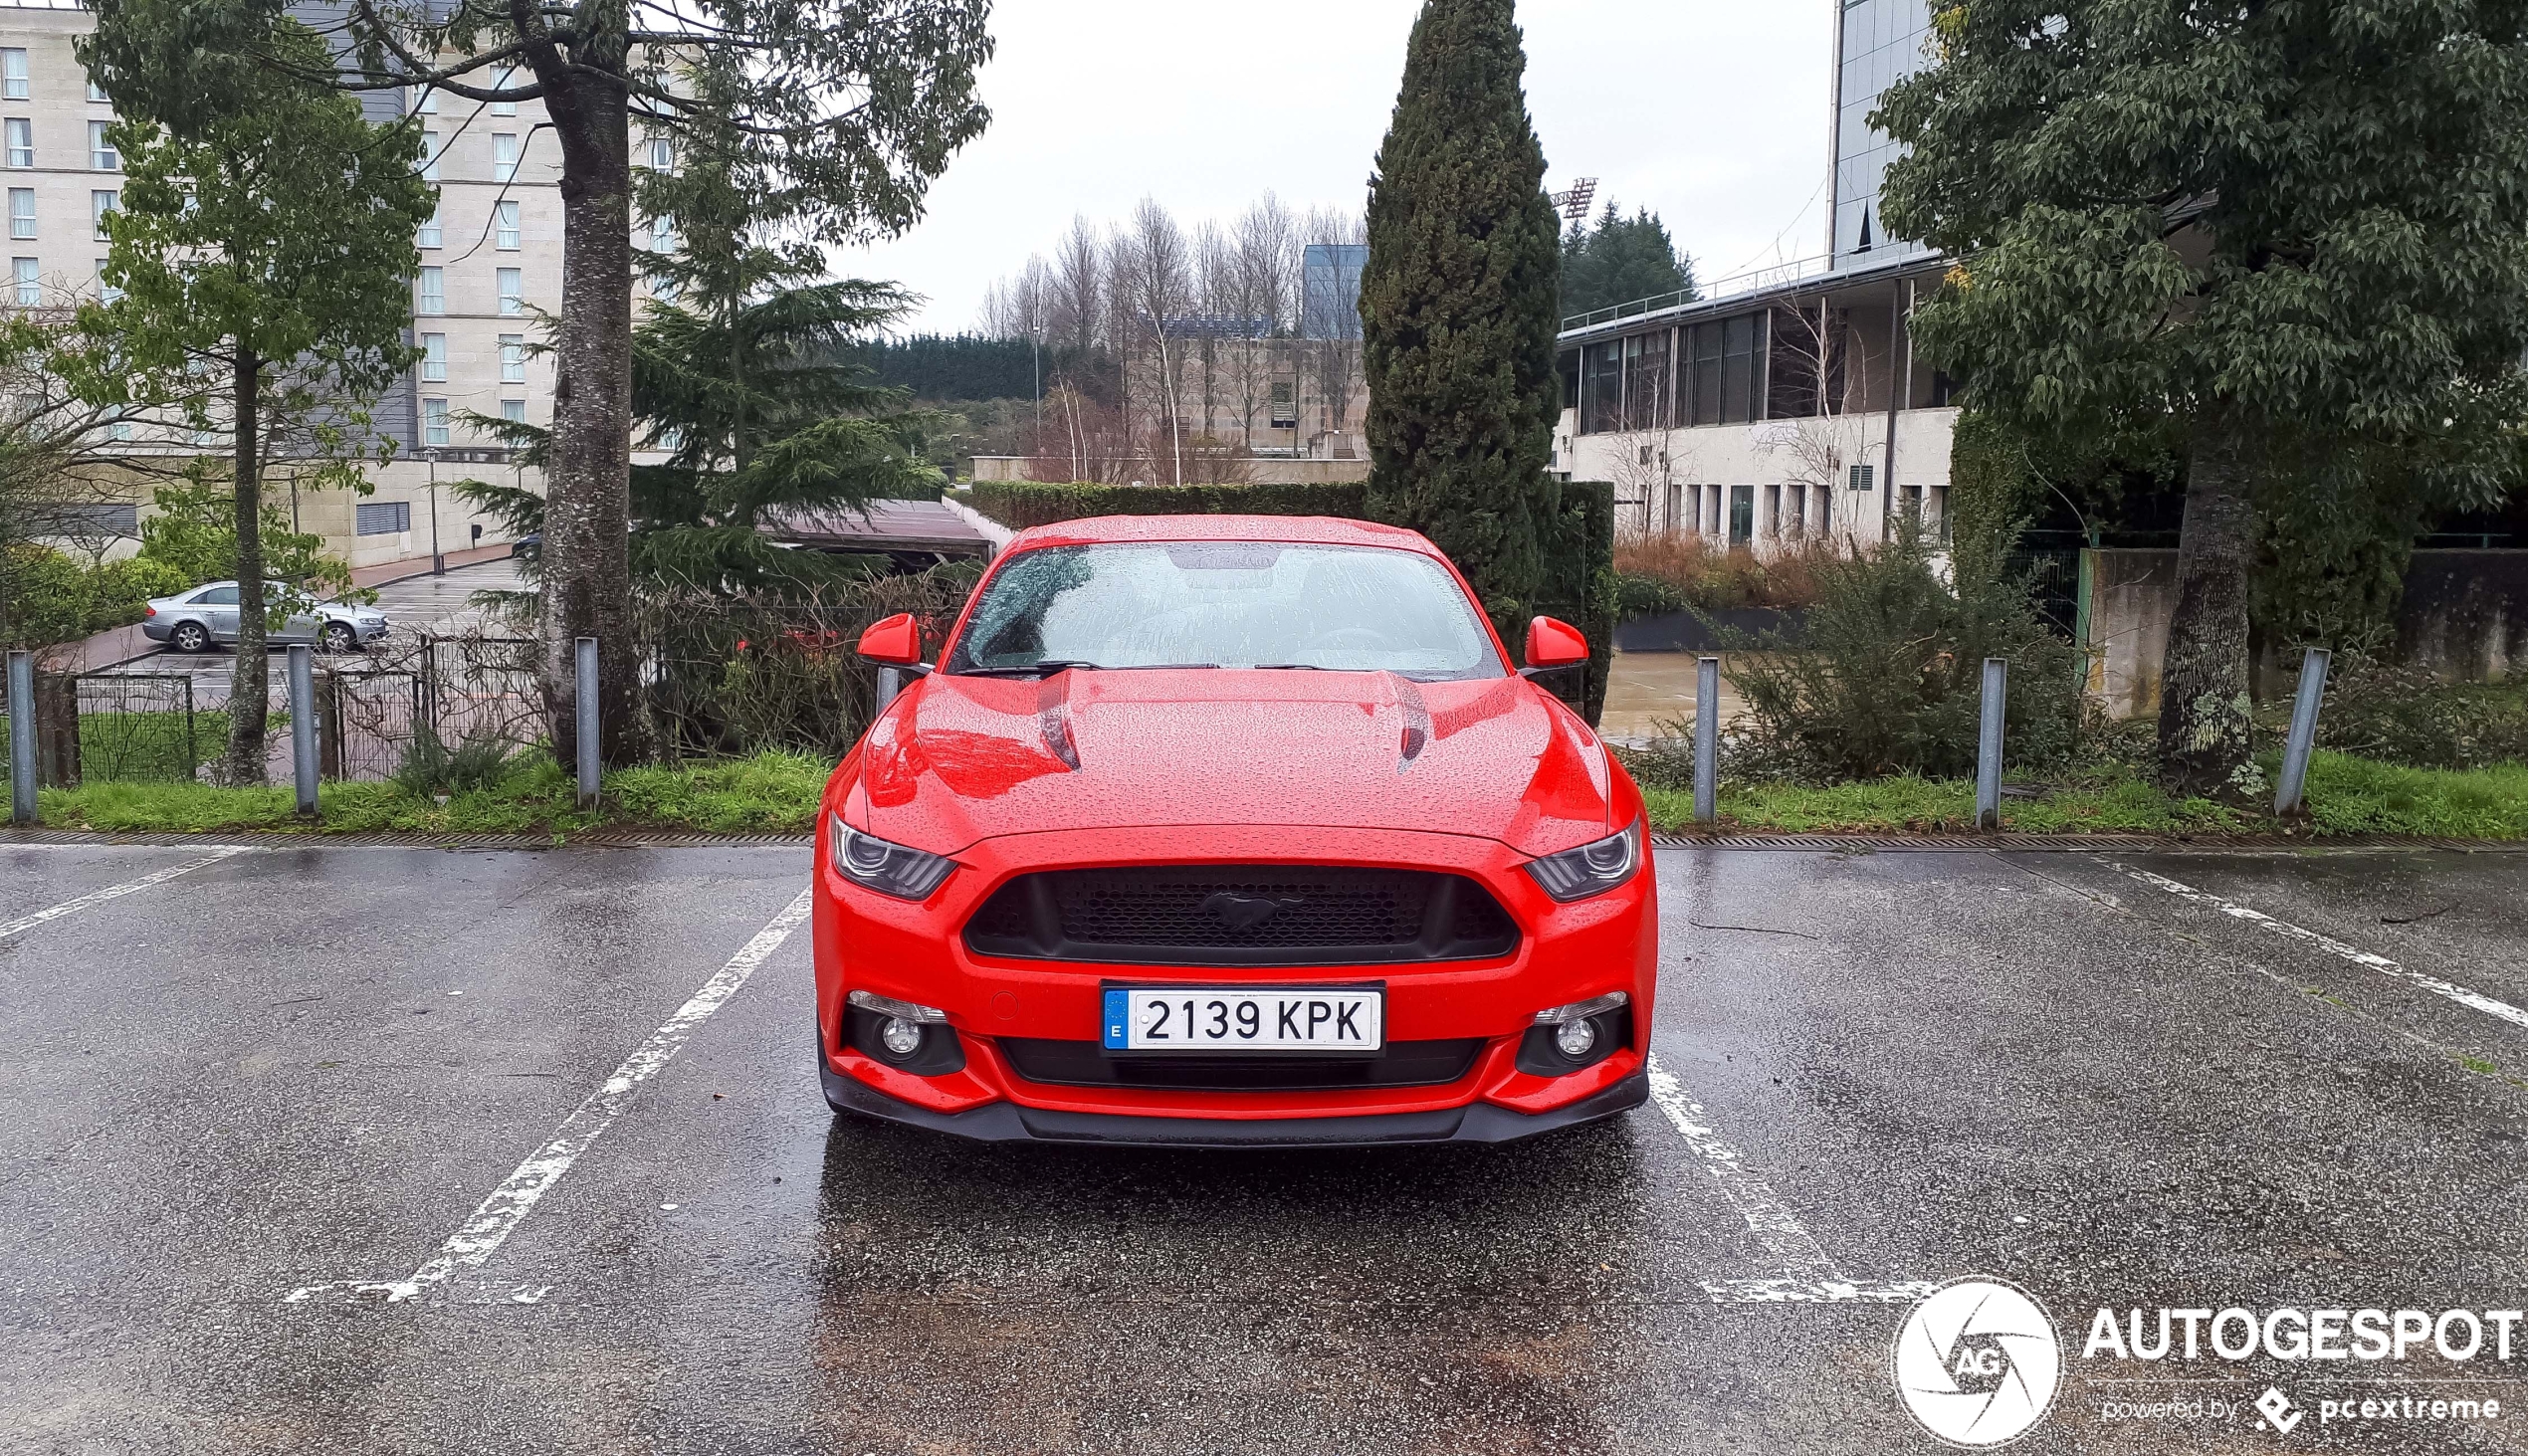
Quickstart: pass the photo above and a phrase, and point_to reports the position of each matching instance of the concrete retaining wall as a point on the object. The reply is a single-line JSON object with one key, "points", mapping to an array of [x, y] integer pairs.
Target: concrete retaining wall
{"points": [[2465, 616]]}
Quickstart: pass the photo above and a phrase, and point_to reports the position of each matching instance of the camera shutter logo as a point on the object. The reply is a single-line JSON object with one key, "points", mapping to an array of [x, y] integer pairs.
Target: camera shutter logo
{"points": [[1977, 1362]]}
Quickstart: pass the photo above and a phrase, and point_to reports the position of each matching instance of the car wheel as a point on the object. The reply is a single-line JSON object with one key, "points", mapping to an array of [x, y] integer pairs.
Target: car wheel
{"points": [[338, 637], [190, 637]]}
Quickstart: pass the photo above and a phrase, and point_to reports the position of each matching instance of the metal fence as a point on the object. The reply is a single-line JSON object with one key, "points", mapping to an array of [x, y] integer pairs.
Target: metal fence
{"points": [[144, 727]]}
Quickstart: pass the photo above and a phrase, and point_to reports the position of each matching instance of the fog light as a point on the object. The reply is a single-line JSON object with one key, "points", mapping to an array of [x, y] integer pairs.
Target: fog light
{"points": [[1574, 1039], [903, 1038]]}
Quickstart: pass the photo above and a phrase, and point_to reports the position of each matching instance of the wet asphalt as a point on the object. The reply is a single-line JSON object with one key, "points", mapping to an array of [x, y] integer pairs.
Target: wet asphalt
{"points": [[305, 1068]]}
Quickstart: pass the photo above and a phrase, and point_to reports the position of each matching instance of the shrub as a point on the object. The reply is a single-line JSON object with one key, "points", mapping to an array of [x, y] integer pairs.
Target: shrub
{"points": [[47, 597], [2403, 715], [1022, 504], [1889, 678], [1671, 571]]}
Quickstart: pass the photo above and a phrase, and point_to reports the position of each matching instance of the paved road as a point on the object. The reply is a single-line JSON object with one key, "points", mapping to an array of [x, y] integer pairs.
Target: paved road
{"points": [[417, 604], [306, 1069]]}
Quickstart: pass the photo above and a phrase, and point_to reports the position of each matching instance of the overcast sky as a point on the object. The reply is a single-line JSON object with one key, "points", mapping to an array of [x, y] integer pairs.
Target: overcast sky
{"points": [[1711, 113]]}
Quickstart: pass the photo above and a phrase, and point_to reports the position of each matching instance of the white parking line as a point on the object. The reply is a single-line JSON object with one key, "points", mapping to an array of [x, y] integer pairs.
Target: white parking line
{"points": [[2474, 1001], [1808, 1276], [500, 1213], [112, 892]]}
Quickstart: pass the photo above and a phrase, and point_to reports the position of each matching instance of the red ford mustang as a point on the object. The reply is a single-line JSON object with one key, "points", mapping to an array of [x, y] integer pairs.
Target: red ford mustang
{"points": [[1231, 831]]}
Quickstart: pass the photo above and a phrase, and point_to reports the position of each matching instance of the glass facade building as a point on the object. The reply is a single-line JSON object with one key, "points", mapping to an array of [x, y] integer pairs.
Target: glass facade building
{"points": [[1884, 41]]}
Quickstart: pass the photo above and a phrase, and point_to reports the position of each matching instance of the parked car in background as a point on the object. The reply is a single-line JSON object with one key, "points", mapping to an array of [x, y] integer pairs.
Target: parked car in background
{"points": [[192, 621]]}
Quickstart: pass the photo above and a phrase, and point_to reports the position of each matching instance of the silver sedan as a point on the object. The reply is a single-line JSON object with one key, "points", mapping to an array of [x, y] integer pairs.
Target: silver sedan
{"points": [[193, 620]]}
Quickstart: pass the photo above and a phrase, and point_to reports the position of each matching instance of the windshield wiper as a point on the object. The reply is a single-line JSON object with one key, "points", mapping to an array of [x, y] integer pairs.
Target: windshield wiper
{"points": [[1291, 666], [1045, 669]]}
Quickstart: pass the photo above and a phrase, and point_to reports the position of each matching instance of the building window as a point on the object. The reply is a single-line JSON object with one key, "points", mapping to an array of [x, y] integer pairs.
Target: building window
{"points": [[504, 225], [21, 142], [430, 156], [504, 156], [512, 358], [1601, 387], [21, 212], [105, 290], [513, 294], [30, 284], [428, 237], [383, 517], [426, 102], [1864, 477], [83, 521], [1723, 370], [514, 411], [1646, 382], [100, 206], [434, 291], [661, 154], [97, 92], [503, 80], [434, 356], [663, 234], [14, 80], [101, 152], [434, 422], [118, 431]]}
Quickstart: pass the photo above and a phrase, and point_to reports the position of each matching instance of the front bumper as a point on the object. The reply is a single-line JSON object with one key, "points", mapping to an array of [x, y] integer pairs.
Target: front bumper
{"points": [[1009, 1121], [1566, 954]]}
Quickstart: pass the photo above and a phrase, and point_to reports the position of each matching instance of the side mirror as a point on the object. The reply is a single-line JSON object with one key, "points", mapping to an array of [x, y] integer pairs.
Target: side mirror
{"points": [[1554, 644], [894, 642]]}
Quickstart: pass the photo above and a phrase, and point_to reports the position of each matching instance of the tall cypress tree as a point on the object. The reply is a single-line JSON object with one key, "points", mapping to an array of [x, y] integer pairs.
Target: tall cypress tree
{"points": [[1458, 309]]}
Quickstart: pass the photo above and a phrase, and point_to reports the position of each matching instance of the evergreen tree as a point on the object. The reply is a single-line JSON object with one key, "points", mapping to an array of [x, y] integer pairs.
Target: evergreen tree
{"points": [[1458, 310], [744, 372], [263, 261], [1621, 261], [2291, 238]]}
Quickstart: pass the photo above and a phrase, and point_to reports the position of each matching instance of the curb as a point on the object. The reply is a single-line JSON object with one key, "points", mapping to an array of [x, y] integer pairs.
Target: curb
{"points": [[2083, 843], [618, 838]]}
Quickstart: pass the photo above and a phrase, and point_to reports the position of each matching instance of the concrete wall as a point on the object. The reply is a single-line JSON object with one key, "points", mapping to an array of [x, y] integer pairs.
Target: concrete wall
{"points": [[1262, 470], [2128, 599], [2465, 616]]}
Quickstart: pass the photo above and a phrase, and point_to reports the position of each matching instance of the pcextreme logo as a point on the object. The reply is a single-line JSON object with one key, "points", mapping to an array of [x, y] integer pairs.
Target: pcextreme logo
{"points": [[1977, 1362]]}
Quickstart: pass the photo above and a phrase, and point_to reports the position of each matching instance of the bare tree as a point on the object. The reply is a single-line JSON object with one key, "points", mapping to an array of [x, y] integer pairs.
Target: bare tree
{"points": [[1820, 381], [1158, 274], [1077, 309], [1267, 240]]}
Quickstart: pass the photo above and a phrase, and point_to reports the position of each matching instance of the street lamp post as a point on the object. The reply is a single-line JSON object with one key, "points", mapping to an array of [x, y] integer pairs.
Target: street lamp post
{"points": [[438, 561]]}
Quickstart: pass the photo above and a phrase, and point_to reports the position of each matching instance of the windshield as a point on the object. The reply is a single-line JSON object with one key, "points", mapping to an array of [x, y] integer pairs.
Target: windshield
{"points": [[1226, 604]]}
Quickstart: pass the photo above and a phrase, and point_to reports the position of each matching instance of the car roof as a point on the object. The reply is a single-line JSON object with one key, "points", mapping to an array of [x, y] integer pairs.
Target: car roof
{"points": [[1310, 530]]}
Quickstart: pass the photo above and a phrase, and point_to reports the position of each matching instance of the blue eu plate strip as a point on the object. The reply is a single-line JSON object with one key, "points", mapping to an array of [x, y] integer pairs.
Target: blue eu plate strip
{"points": [[1116, 1005]]}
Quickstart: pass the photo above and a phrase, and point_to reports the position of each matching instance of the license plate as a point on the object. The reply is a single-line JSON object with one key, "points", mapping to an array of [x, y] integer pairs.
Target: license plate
{"points": [[1245, 1019]]}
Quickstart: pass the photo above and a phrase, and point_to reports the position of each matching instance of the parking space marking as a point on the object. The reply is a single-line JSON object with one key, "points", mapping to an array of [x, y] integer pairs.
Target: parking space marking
{"points": [[112, 892], [2473, 999], [500, 1213], [1808, 1276]]}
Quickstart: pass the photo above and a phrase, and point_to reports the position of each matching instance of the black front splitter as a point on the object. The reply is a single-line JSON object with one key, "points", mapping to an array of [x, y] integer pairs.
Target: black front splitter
{"points": [[1005, 1122]]}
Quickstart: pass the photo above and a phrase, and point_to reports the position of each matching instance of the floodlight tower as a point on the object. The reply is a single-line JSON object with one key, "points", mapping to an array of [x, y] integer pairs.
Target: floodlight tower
{"points": [[1574, 201]]}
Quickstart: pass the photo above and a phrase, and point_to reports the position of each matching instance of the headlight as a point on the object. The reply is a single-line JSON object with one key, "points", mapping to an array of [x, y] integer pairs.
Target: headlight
{"points": [[1591, 869], [889, 869]]}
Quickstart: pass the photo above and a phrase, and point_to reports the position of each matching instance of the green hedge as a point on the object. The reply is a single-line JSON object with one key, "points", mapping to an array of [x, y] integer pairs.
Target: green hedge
{"points": [[1022, 504]]}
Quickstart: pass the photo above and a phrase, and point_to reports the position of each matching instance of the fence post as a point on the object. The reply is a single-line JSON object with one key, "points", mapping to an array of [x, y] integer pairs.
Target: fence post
{"points": [[303, 725], [1988, 751], [1707, 741], [192, 740], [2303, 740], [22, 738], [585, 703], [890, 683]]}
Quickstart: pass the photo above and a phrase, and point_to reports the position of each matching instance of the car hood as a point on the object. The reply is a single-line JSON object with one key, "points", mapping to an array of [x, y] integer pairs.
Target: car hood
{"points": [[958, 759]]}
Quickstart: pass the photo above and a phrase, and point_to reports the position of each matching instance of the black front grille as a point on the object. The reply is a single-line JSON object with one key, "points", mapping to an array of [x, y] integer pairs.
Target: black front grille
{"points": [[1087, 1064], [1243, 915]]}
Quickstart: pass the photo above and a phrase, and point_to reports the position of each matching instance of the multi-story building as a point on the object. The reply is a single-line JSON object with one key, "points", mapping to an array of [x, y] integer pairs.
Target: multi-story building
{"points": [[489, 260], [1786, 404]]}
